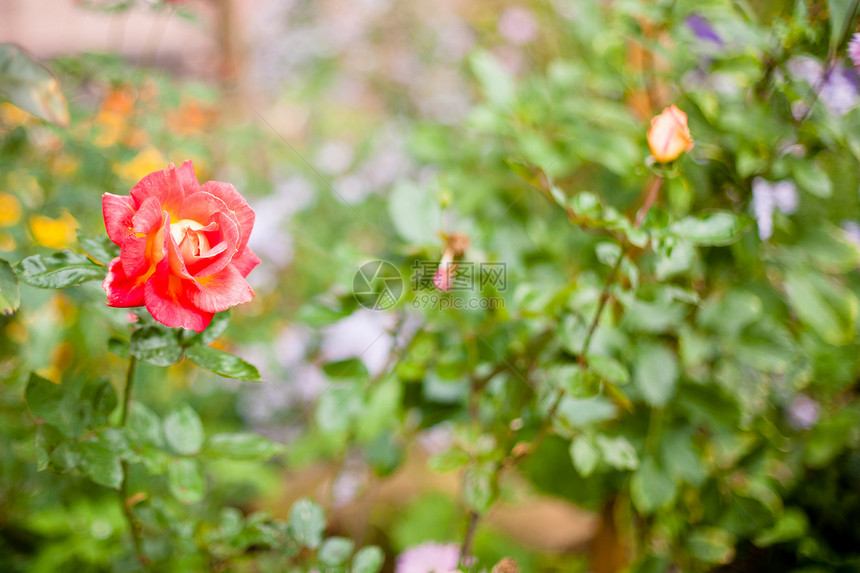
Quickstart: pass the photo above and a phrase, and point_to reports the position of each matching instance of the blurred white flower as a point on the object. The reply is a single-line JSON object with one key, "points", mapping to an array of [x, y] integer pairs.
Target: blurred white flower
{"points": [[768, 197], [334, 157], [852, 232], [429, 557], [365, 334], [803, 412], [837, 87]]}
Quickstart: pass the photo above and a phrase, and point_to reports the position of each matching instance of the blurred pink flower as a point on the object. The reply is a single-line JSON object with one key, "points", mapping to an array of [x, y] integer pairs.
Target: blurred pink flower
{"points": [[518, 26], [430, 557]]}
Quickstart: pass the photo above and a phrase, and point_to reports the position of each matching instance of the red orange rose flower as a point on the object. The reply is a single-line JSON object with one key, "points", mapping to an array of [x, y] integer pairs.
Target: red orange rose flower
{"points": [[183, 247]]}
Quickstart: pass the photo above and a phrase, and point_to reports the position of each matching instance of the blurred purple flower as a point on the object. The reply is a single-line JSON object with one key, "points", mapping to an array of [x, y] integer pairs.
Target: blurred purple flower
{"points": [[769, 196], [703, 29], [852, 232], [854, 51], [803, 412], [429, 557], [837, 87], [518, 26]]}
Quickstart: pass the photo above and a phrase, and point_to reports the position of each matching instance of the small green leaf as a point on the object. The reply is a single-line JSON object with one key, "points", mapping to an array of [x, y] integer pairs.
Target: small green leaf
{"points": [[155, 345], [449, 460], [10, 291], [307, 523], [656, 373], [609, 369], [60, 270], [496, 83], [651, 488], [336, 550], [841, 14], [584, 455], [100, 396], [712, 545], [100, 249], [813, 179], [717, 229], [242, 446], [183, 430], [824, 305], [185, 480], [792, 525], [222, 363], [368, 560], [349, 368], [101, 457], [143, 426], [31, 86], [53, 404], [618, 452]]}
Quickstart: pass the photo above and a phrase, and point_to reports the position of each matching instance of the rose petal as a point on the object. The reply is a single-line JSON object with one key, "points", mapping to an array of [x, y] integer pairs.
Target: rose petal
{"points": [[148, 216], [234, 200], [166, 299], [164, 185], [122, 291], [246, 261], [221, 290], [118, 212], [187, 178]]}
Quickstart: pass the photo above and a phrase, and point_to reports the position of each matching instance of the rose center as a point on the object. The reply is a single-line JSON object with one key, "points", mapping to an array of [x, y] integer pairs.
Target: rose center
{"points": [[189, 228]]}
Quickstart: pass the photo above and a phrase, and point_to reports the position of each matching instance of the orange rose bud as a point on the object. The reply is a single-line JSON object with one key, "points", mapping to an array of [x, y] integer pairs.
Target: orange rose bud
{"points": [[669, 135]]}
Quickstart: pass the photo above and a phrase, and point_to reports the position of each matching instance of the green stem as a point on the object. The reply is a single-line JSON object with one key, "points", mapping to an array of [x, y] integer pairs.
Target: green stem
{"points": [[133, 526]]}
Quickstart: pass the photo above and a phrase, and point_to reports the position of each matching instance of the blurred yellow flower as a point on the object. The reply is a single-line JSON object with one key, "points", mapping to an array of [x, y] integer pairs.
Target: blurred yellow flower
{"points": [[7, 242], [144, 163], [12, 116], [54, 233], [10, 210], [65, 165]]}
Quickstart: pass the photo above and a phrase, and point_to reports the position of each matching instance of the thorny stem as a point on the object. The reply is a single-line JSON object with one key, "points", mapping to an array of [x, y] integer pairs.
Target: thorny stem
{"points": [[517, 455], [133, 526]]}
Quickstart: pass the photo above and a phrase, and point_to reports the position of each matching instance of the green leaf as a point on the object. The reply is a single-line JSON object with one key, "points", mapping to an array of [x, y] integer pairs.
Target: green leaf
{"points": [[584, 455], [349, 368], [307, 523], [100, 249], [185, 480], [368, 560], [449, 460], [54, 404], [242, 446], [222, 363], [822, 304], [720, 228], [656, 373], [100, 396], [812, 179], [155, 345], [144, 427], [183, 430], [618, 452], [792, 525], [497, 85], [680, 459], [101, 457], [10, 292], [712, 545], [31, 86], [415, 212], [841, 15], [479, 492], [60, 270], [651, 488], [219, 324], [609, 369], [336, 550]]}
